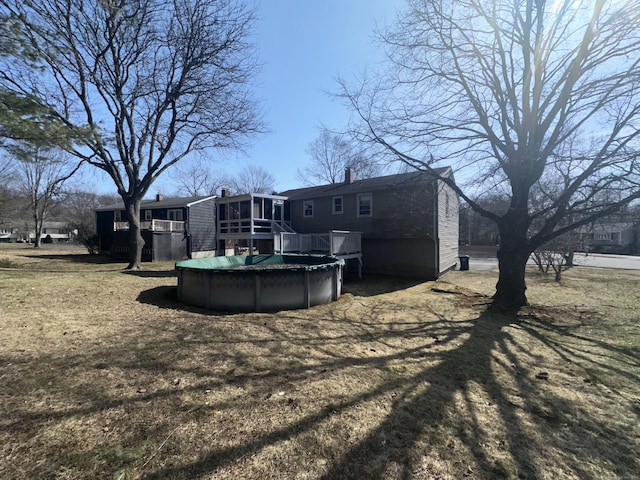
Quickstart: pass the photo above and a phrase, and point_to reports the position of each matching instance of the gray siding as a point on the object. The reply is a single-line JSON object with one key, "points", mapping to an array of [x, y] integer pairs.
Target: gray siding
{"points": [[168, 246], [323, 218], [410, 232], [202, 226], [411, 257], [448, 221], [404, 212]]}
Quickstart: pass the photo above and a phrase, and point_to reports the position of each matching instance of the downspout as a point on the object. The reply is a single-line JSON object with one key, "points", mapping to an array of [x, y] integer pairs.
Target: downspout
{"points": [[436, 234], [187, 235], [251, 224]]}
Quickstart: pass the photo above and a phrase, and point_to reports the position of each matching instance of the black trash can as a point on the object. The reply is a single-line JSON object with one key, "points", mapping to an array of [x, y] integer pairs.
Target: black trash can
{"points": [[464, 262]]}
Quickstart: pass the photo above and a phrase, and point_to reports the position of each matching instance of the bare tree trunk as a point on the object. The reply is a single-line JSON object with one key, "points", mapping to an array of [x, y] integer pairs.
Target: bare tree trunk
{"points": [[513, 253], [37, 241], [511, 287], [135, 237]]}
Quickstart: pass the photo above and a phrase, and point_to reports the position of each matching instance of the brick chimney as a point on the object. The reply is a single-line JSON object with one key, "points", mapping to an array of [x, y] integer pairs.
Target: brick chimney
{"points": [[224, 192], [349, 175], [159, 197]]}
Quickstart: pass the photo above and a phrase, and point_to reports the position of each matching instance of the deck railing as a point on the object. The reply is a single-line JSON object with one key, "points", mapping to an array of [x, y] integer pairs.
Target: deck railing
{"points": [[336, 242], [344, 243], [155, 225]]}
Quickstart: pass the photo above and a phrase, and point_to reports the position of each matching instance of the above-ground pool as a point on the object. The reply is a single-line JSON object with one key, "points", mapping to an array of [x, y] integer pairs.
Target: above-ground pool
{"points": [[259, 283]]}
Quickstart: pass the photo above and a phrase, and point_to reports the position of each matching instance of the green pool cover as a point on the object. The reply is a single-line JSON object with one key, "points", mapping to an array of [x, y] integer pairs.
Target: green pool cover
{"points": [[231, 262]]}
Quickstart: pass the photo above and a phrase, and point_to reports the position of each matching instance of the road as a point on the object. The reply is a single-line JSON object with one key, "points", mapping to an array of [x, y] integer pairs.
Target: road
{"points": [[625, 262]]}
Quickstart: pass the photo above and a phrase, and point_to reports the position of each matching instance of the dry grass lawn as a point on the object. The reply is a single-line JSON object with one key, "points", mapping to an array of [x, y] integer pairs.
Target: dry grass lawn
{"points": [[104, 375]]}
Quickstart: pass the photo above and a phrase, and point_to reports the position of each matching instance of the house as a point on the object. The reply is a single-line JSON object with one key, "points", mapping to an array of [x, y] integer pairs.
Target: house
{"points": [[8, 234], [57, 232], [403, 224], [408, 222], [172, 228], [613, 234], [262, 223], [249, 221]]}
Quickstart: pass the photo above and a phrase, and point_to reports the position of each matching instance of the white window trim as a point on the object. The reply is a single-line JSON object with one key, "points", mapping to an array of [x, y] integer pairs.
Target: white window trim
{"points": [[333, 205], [304, 208], [370, 195]]}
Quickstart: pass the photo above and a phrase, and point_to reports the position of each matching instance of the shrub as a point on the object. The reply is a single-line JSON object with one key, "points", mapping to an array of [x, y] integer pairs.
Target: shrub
{"points": [[93, 244]]}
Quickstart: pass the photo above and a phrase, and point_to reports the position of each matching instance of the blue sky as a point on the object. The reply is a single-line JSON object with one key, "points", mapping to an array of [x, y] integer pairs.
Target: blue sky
{"points": [[304, 45]]}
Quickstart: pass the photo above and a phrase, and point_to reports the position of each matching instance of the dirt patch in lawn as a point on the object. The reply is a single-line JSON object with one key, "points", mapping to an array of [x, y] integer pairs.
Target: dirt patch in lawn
{"points": [[105, 375]]}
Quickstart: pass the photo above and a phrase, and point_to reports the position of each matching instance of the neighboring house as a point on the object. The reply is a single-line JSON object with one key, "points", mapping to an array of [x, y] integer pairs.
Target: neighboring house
{"points": [[614, 234], [58, 232], [172, 228], [8, 235], [408, 222]]}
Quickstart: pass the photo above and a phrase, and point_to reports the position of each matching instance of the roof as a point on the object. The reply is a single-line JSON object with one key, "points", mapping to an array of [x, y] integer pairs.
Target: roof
{"points": [[152, 203], [249, 196], [52, 224], [366, 184]]}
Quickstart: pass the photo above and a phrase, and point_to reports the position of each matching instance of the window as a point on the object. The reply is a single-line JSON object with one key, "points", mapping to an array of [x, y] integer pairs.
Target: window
{"points": [[245, 209], [257, 207], [234, 210], [337, 205], [268, 208], [446, 204], [148, 215], [175, 214], [307, 208], [364, 205], [117, 216]]}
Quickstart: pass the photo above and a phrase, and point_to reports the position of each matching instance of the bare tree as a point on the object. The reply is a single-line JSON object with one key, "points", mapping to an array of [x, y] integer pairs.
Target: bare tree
{"points": [[143, 83], [557, 254], [252, 179], [6, 169], [10, 198], [78, 211], [506, 92], [42, 175], [197, 178], [330, 154]]}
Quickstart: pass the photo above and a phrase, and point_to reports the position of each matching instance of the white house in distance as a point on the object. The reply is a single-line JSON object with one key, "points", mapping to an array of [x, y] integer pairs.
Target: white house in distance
{"points": [[59, 232]]}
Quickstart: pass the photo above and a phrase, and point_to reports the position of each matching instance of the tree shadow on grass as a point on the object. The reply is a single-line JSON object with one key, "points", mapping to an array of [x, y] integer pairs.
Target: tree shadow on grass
{"points": [[77, 258], [371, 284], [152, 273], [475, 391], [530, 423]]}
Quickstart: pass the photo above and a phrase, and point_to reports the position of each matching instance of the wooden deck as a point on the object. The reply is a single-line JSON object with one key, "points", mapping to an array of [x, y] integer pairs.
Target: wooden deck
{"points": [[155, 225], [338, 243]]}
